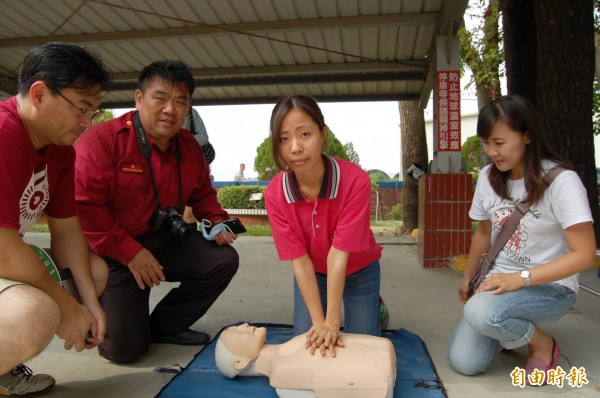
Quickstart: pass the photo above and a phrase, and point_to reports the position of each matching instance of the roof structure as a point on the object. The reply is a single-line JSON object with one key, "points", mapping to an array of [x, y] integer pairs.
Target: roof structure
{"points": [[245, 51]]}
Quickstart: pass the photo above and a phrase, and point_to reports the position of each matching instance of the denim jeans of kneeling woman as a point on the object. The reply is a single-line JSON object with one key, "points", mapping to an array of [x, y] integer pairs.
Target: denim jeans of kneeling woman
{"points": [[360, 302], [505, 320]]}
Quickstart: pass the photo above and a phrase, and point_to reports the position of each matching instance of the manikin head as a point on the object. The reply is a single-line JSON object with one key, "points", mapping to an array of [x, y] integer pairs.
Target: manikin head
{"points": [[237, 348]]}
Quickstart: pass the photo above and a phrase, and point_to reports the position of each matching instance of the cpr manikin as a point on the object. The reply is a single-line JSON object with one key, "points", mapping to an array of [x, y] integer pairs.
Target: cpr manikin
{"points": [[364, 368]]}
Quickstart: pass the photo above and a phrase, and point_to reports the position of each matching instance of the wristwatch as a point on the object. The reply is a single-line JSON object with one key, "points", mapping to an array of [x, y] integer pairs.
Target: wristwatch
{"points": [[526, 276]]}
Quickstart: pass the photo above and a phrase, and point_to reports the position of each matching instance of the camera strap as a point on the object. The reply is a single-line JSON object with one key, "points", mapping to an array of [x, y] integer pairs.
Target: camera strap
{"points": [[147, 153]]}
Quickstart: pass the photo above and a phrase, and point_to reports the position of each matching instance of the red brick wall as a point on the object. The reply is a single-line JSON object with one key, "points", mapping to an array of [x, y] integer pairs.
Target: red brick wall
{"points": [[444, 223], [388, 197]]}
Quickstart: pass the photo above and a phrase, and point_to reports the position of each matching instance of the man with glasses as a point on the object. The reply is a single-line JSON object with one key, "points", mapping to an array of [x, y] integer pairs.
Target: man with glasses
{"points": [[84, 114], [133, 177], [59, 92]]}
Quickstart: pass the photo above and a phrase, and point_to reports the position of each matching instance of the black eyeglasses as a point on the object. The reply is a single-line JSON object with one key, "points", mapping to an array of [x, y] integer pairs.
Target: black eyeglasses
{"points": [[84, 114]]}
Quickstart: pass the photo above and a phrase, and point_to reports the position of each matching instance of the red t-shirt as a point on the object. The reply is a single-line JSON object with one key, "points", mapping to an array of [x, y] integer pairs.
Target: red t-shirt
{"points": [[340, 217], [32, 181], [114, 191]]}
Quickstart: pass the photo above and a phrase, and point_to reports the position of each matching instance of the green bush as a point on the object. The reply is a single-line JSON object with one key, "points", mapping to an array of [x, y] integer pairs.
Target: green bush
{"points": [[396, 212], [238, 197]]}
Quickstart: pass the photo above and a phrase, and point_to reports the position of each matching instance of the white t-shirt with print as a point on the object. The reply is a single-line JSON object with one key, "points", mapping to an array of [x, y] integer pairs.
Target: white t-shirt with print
{"points": [[540, 236]]}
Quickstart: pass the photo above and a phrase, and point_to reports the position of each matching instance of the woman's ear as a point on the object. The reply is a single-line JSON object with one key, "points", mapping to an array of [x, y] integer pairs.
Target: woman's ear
{"points": [[526, 138]]}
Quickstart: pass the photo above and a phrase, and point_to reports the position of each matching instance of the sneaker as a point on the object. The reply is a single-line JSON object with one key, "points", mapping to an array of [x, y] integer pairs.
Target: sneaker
{"points": [[384, 314], [21, 381]]}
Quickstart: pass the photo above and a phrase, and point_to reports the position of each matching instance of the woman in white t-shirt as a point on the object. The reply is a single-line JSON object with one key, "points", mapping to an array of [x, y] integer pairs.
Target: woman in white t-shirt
{"points": [[535, 275]]}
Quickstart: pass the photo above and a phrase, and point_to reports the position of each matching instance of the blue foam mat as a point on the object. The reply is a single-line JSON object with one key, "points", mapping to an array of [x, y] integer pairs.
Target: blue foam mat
{"points": [[415, 375]]}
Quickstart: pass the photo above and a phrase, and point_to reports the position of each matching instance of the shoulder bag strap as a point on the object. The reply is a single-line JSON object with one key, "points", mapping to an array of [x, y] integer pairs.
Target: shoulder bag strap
{"points": [[515, 218], [507, 230]]}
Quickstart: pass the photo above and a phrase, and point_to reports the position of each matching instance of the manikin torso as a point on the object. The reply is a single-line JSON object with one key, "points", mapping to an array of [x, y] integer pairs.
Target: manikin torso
{"points": [[364, 368]]}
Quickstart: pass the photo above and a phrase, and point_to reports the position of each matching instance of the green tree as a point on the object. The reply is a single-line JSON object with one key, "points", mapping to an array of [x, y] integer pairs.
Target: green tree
{"points": [[264, 164], [106, 116], [474, 156], [550, 59], [266, 168], [414, 151], [352, 154], [378, 175], [335, 147], [481, 50]]}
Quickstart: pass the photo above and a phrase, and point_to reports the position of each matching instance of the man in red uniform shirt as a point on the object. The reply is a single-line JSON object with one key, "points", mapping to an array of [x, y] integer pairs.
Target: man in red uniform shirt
{"points": [[60, 88], [134, 175]]}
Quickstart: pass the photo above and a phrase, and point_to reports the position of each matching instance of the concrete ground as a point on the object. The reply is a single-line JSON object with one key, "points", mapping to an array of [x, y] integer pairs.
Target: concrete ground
{"points": [[423, 301]]}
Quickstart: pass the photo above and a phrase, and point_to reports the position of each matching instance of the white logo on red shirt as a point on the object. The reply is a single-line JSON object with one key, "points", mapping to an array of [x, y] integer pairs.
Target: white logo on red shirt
{"points": [[35, 198]]}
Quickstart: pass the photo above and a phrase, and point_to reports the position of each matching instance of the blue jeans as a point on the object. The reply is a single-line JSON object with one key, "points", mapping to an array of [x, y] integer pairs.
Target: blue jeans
{"points": [[505, 320], [361, 302]]}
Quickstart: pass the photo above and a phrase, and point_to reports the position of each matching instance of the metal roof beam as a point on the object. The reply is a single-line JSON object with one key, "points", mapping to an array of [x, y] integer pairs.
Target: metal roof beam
{"points": [[230, 29], [418, 66], [290, 79], [273, 100]]}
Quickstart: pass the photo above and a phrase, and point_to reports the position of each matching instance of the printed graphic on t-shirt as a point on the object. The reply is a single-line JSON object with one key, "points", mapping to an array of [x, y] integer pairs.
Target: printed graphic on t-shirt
{"points": [[517, 242], [35, 198]]}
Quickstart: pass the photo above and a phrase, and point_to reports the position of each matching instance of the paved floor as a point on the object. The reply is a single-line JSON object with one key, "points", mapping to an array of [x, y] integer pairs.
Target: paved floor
{"points": [[423, 301]]}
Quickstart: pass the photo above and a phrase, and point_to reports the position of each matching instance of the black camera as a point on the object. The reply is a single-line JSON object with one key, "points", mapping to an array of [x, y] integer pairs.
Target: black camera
{"points": [[172, 220]]}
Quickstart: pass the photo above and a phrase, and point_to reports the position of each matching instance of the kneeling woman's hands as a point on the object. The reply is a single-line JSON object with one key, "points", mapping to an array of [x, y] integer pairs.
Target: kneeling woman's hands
{"points": [[500, 283], [324, 337]]}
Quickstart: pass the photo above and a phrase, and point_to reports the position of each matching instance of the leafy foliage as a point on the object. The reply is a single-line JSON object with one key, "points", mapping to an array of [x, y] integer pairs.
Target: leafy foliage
{"points": [[264, 164], [481, 48], [378, 175], [266, 168], [238, 197], [352, 154], [106, 116], [335, 147], [396, 212], [474, 156]]}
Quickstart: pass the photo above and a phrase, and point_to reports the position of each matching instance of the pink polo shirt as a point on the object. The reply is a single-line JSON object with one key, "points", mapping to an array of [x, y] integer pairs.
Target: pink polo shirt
{"points": [[340, 217]]}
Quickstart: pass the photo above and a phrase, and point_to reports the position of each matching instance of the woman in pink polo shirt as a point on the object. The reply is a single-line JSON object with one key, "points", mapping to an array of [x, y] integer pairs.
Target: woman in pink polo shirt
{"points": [[319, 212]]}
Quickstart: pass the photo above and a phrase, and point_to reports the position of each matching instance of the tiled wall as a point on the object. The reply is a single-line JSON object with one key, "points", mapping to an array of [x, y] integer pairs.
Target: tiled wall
{"points": [[444, 223]]}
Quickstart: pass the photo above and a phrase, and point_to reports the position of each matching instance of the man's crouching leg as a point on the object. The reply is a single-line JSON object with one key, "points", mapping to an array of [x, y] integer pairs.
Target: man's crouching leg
{"points": [[29, 319]]}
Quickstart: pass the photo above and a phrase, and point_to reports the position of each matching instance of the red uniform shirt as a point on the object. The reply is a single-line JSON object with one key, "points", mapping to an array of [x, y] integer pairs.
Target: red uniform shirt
{"points": [[32, 181], [340, 217], [114, 191]]}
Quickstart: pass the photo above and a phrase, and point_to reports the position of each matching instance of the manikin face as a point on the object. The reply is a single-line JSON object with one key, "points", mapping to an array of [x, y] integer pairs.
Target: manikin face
{"points": [[163, 108], [506, 148], [300, 142], [244, 341]]}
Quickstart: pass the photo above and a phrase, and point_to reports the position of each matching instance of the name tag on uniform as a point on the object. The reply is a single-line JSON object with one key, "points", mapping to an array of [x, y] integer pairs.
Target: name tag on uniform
{"points": [[132, 168]]}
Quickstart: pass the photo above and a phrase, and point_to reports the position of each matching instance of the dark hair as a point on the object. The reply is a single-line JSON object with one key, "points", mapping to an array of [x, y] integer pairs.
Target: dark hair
{"points": [[302, 102], [520, 115], [60, 65], [174, 72]]}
